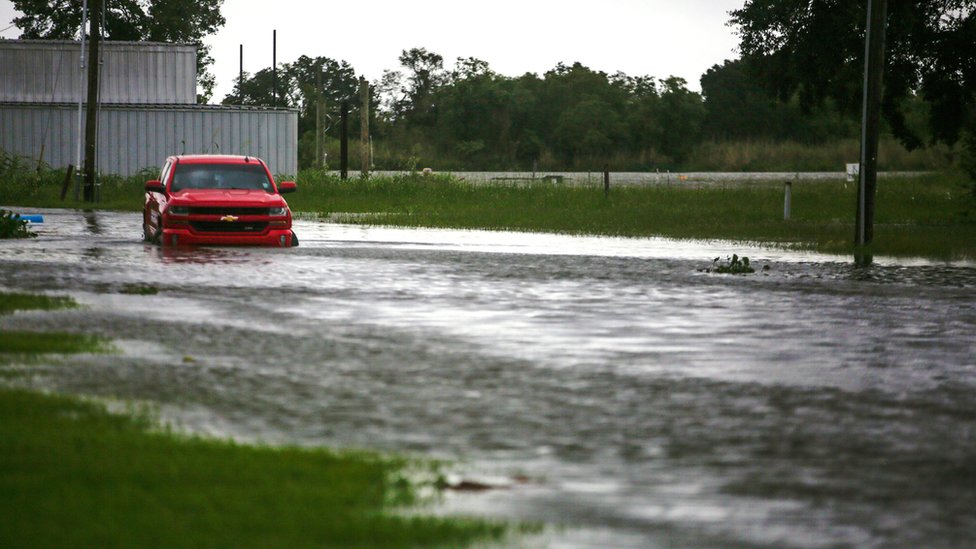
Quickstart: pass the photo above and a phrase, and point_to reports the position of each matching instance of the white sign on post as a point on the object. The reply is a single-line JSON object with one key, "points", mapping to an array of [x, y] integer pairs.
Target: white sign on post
{"points": [[853, 170]]}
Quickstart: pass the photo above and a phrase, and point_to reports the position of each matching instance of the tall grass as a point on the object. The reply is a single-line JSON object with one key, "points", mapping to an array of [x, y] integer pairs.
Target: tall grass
{"points": [[43, 189], [789, 156], [926, 216]]}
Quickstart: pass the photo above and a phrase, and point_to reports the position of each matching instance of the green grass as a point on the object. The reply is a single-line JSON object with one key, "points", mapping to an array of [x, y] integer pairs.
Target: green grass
{"points": [[10, 302], [20, 342], [74, 475], [27, 188]]}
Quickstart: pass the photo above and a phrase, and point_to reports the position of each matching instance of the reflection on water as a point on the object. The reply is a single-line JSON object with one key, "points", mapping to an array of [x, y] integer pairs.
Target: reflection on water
{"points": [[640, 401], [91, 222]]}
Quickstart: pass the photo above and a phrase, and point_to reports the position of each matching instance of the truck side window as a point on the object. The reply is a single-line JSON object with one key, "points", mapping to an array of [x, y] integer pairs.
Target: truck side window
{"points": [[165, 173]]}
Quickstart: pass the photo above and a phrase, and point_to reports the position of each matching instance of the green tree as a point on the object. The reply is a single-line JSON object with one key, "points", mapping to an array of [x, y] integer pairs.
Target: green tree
{"points": [[736, 107], [176, 21], [259, 90], [474, 109], [815, 49], [425, 74], [681, 115]]}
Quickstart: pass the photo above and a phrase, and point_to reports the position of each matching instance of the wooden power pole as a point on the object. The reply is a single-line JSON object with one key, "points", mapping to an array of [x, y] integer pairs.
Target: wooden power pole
{"points": [[870, 122], [318, 119], [364, 125], [344, 140], [91, 112]]}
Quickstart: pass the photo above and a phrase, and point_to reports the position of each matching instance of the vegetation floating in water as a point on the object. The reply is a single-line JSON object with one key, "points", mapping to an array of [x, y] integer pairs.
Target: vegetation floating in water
{"points": [[732, 265], [12, 226]]}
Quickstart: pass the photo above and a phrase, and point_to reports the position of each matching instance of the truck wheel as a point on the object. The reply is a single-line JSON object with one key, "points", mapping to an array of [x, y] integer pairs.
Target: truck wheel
{"points": [[294, 240]]}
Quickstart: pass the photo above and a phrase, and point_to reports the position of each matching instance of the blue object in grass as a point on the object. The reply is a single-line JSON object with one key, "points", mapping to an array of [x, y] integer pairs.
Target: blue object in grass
{"points": [[32, 218]]}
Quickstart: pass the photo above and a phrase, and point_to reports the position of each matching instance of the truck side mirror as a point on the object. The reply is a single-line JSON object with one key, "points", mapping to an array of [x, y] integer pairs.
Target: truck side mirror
{"points": [[287, 187], [155, 186]]}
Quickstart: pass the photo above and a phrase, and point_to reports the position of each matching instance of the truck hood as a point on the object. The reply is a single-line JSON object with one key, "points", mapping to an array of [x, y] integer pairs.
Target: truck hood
{"points": [[226, 197]]}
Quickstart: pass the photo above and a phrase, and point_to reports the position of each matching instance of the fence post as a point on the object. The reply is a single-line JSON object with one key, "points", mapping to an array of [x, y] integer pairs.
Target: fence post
{"points": [[67, 181], [606, 180]]}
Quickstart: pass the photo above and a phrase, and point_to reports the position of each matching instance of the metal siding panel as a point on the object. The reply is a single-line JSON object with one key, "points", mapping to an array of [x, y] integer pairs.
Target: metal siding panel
{"points": [[138, 160], [132, 138], [135, 73], [125, 140]]}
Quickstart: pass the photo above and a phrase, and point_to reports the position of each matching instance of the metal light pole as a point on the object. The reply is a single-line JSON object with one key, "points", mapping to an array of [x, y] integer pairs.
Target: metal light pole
{"points": [[870, 125]]}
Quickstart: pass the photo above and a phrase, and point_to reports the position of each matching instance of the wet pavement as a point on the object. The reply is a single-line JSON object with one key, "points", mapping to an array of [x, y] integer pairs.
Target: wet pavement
{"points": [[607, 386]]}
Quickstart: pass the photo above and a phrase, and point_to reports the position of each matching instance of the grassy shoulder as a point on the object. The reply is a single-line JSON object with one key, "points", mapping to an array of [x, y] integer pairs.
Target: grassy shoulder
{"points": [[72, 474], [75, 475], [929, 216]]}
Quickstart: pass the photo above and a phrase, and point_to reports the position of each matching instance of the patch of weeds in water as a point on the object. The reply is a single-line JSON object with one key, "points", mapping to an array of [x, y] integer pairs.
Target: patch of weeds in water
{"points": [[732, 265], [139, 289], [33, 343], [177, 491], [12, 226], [10, 302]]}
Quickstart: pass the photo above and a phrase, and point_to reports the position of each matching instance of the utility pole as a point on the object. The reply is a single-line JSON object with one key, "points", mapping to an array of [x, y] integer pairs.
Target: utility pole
{"points": [[91, 119], [870, 124], [318, 119], [344, 140], [364, 125]]}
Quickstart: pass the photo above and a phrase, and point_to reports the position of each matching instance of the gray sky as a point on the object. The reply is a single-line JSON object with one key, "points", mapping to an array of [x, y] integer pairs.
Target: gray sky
{"points": [[639, 37]]}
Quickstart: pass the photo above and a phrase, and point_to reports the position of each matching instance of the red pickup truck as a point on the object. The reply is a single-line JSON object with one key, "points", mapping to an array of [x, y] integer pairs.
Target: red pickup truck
{"points": [[217, 199]]}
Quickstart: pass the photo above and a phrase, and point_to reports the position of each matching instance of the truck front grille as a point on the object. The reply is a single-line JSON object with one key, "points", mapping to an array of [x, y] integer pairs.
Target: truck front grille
{"points": [[224, 210], [229, 227]]}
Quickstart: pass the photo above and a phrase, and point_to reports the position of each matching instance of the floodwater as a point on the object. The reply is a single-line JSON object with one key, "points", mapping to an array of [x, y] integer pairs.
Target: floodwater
{"points": [[605, 386]]}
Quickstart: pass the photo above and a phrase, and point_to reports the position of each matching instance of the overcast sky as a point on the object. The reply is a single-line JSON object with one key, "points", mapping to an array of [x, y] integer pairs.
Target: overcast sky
{"points": [[639, 37]]}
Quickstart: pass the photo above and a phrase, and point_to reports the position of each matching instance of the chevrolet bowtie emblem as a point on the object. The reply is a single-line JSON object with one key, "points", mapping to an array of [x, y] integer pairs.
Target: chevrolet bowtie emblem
{"points": [[231, 218]]}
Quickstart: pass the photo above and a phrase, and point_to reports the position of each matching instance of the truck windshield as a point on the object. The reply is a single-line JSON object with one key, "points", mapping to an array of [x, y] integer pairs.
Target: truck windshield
{"points": [[220, 176]]}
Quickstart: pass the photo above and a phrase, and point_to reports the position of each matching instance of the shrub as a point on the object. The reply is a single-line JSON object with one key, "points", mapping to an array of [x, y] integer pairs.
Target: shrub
{"points": [[12, 226]]}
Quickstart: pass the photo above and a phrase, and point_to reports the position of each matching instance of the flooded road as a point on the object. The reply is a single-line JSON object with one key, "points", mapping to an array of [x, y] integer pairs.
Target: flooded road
{"points": [[608, 386]]}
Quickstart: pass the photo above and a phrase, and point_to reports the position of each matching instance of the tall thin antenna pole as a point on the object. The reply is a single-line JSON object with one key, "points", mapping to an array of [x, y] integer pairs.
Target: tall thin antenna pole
{"points": [[274, 68], [240, 75]]}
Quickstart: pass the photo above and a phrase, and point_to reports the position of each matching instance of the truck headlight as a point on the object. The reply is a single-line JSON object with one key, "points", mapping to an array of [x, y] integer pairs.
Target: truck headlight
{"points": [[178, 210], [277, 212]]}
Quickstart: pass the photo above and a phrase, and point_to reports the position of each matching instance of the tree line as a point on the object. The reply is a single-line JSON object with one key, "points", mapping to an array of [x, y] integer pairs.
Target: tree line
{"points": [[469, 116]]}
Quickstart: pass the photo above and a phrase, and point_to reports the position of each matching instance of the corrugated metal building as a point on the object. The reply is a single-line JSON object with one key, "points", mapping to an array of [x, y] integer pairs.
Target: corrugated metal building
{"points": [[49, 71], [148, 109], [133, 137]]}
